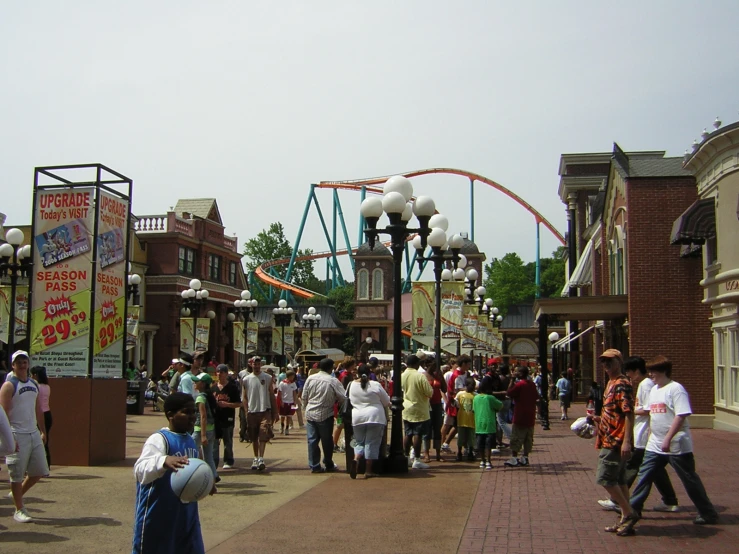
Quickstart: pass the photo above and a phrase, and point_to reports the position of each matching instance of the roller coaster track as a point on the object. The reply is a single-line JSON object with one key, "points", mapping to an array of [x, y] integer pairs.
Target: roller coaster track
{"points": [[369, 185]]}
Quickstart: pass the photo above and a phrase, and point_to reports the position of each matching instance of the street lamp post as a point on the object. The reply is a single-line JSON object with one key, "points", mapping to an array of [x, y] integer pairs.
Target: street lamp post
{"points": [[243, 307], [283, 318], [397, 194], [134, 280], [15, 262], [192, 299], [311, 319]]}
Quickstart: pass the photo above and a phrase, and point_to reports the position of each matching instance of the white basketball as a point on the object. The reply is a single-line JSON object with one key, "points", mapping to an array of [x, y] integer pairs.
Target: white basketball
{"points": [[192, 482]]}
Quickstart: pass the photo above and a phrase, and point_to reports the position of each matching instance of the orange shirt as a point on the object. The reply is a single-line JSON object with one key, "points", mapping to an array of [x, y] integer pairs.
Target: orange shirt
{"points": [[618, 400]]}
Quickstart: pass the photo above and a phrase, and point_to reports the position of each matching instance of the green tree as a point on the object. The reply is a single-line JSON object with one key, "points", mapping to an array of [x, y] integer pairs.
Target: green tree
{"points": [[553, 275], [342, 299], [271, 244]]}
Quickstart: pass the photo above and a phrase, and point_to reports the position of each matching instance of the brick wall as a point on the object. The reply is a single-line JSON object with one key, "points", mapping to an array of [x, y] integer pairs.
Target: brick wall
{"points": [[665, 311]]}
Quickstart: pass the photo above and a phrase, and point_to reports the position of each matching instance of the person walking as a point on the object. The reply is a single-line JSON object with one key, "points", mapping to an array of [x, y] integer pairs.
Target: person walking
{"points": [[185, 369], [563, 391], [228, 398], [485, 406], [525, 396], [417, 393], [260, 404], [670, 442], [204, 433], [369, 418], [19, 397], [614, 440]]}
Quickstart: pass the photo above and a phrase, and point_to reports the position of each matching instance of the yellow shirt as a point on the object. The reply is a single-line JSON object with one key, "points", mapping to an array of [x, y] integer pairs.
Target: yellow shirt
{"points": [[465, 413], [416, 394]]}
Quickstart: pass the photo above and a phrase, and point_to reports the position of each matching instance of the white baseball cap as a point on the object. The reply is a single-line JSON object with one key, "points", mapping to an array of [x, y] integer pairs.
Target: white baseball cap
{"points": [[19, 353]]}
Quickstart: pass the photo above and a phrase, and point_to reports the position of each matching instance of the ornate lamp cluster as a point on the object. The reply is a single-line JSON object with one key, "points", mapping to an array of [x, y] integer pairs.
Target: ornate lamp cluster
{"points": [[15, 263], [311, 320], [243, 307]]}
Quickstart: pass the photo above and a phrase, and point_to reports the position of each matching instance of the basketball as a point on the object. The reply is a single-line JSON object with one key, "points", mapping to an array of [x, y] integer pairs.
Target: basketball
{"points": [[193, 482]]}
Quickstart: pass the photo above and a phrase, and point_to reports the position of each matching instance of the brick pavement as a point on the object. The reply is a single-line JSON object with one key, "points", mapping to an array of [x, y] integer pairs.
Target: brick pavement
{"points": [[551, 505]]}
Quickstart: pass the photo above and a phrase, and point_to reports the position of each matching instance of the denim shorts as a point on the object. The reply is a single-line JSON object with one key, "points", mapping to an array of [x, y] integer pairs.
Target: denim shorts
{"points": [[485, 441], [421, 428]]}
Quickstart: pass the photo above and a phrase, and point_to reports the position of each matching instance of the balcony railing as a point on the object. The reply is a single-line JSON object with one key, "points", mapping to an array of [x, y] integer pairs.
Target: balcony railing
{"points": [[170, 223]]}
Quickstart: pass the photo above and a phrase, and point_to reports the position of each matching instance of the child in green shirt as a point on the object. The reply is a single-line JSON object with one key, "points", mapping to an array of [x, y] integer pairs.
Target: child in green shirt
{"points": [[485, 406]]}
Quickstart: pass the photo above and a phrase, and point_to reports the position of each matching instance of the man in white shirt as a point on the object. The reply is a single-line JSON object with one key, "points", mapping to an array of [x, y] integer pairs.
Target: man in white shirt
{"points": [[670, 442], [260, 403]]}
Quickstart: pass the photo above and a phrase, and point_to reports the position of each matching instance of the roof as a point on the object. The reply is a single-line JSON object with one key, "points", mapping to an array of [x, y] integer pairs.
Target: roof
{"points": [[329, 317], [204, 208], [469, 247], [380, 251], [630, 166], [519, 316]]}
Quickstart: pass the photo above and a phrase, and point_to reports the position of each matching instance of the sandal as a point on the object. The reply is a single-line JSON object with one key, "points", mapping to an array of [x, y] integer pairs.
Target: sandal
{"points": [[627, 525], [614, 528]]}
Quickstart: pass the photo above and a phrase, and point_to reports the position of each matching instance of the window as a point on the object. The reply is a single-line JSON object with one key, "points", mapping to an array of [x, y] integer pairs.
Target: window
{"points": [[734, 359], [711, 251], [232, 274], [186, 261], [378, 289], [719, 341], [363, 280], [214, 267]]}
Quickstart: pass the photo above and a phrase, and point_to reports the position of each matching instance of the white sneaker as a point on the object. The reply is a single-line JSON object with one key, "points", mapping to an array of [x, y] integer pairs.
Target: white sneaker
{"points": [[495, 451], [482, 465], [662, 507], [227, 466], [261, 465], [21, 516], [418, 464], [411, 461], [609, 505]]}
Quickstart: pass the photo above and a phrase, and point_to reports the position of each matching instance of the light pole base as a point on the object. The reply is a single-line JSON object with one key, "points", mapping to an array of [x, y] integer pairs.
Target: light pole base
{"points": [[395, 465]]}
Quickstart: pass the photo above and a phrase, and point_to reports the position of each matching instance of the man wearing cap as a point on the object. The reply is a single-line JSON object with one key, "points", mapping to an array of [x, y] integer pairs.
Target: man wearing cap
{"points": [[260, 403], [228, 399], [614, 440], [184, 375], [243, 432], [19, 398]]}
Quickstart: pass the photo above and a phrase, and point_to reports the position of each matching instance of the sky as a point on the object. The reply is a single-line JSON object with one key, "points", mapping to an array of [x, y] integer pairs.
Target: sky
{"points": [[251, 102]]}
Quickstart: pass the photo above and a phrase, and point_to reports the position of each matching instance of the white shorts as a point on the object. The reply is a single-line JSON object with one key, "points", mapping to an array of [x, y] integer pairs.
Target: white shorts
{"points": [[30, 458]]}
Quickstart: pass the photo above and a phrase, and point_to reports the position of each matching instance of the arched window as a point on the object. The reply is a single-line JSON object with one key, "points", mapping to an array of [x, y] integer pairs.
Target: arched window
{"points": [[378, 289], [363, 288]]}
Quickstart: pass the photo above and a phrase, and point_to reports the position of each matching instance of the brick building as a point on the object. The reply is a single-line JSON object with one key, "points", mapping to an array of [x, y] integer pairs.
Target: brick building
{"points": [[627, 286]]}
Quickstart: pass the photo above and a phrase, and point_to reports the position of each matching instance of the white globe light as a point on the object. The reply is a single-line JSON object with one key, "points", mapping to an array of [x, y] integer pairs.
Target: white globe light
{"points": [[480, 291], [446, 275], [185, 312], [254, 303], [456, 241], [26, 251], [472, 274], [237, 303], [399, 184], [437, 237], [290, 310], [198, 294], [305, 317], [204, 294], [195, 284], [211, 314], [368, 340], [135, 279], [231, 317], [185, 294], [495, 310], [500, 318], [458, 274], [371, 207], [393, 203], [417, 242], [6, 250], [318, 317], [275, 311], [245, 295], [311, 310], [243, 303], [407, 213], [489, 302], [439, 221], [424, 206], [553, 336], [282, 303], [462, 261], [14, 236]]}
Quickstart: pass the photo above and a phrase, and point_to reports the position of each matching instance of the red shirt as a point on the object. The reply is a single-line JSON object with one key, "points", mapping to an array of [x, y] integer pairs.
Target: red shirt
{"points": [[524, 395], [436, 397], [451, 393]]}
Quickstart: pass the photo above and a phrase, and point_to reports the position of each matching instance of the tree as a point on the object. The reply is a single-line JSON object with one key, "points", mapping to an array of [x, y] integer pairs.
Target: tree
{"points": [[271, 244], [342, 299]]}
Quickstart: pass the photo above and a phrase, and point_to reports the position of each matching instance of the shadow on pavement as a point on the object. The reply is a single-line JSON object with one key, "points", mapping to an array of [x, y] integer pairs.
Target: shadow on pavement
{"points": [[30, 537], [76, 521], [677, 531], [557, 468], [72, 477], [246, 489]]}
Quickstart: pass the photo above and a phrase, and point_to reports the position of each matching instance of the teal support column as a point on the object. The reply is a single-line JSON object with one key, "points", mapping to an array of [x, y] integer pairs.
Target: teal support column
{"points": [[538, 261], [331, 245], [343, 228], [360, 238], [334, 218], [296, 246], [472, 210]]}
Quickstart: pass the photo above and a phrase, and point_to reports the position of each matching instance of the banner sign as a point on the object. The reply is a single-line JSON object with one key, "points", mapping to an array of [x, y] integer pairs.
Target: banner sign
{"points": [[61, 314], [252, 336], [21, 312], [187, 337], [422, 303], [305, 343], [132, 326], [452, 300], [110, 285], [277, 338], [238, 329], [469, 326], [317, 340]]}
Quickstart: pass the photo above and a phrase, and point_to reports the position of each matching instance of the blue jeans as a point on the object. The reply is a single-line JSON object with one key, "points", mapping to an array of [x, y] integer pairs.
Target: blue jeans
{"points": [[684, 466], [368, 437], [320, 432], [207, 449], [501, 415], [228, 447]]}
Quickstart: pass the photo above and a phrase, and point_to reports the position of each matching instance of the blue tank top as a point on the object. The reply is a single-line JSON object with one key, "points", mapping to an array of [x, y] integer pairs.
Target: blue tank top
{"points": [[162, 523]]}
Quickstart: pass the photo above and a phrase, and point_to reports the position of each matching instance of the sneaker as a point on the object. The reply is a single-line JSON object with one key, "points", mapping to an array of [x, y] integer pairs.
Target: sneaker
{"points": [[562, 418], [411, 460], [512, 462], [255, 464], [699, 520], [227, 466], [21, 516], [488, 466], [609, 505], [261, 464], [418, 464], [524, 460], [662, 507], [445, 448], [495, 451], [333, 469], [287, 431], [482, 465], [318, 470]]}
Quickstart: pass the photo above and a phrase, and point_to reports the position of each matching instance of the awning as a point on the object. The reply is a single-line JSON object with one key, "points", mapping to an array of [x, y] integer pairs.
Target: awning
{"points": [[696, 224], [583, 274], [569, 339]]}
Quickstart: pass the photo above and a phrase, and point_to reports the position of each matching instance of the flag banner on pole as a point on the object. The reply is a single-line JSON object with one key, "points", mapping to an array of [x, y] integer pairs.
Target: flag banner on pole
{"points": [[186, 334], [305, 341], [422, 303], [290, 338], [469, 327], [317, 341], [132, 326], [252, 336], [481, 331], [21, 312], [238, 330], [452, 300], [203, 334]]}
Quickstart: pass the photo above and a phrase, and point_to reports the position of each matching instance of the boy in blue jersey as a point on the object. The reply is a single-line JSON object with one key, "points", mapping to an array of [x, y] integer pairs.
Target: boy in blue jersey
{"points": [[162, 522]]}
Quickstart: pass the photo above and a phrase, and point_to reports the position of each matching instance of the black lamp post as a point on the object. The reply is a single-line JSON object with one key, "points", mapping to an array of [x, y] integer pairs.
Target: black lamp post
{"points": [[398, 191], [132, 291], [283, 318], [15, 263], [243, 307], [312, 320], [192, 299]]}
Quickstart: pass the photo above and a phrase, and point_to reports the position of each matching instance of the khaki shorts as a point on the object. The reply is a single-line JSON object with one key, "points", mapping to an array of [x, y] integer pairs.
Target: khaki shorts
{"points": [[611, 468], [30, 458], [522, 437], [259, 426]]}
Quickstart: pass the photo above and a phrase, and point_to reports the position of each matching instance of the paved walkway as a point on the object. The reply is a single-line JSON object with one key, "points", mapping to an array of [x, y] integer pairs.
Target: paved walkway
{"points": [[548, 507]]}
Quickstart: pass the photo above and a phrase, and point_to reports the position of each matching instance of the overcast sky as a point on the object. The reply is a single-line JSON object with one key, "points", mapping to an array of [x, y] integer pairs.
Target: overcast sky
{"points": [[251, 102]]}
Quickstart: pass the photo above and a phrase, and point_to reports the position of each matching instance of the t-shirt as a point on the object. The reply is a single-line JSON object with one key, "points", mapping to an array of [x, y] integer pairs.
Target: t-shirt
{"points": [[563, 386], [641, 422], [618, 401], [229, 393], [524, 395], [665, 403], [257, 392], [186, 385], [287, 390], [485, 406], [210, 419], [22, 414], [436, 397], [417, 392], [465, 413]]}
